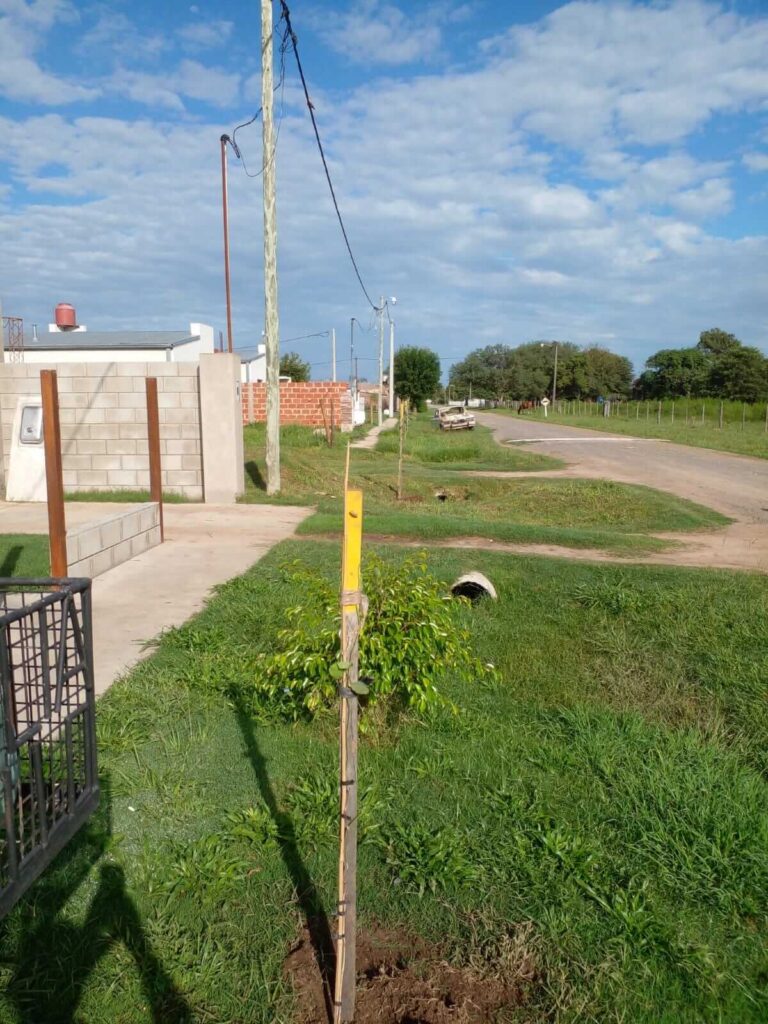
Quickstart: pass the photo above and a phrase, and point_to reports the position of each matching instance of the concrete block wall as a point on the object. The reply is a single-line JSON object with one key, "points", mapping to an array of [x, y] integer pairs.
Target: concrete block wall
{"points": [[97, 547], [300, 402], [103, 415]]}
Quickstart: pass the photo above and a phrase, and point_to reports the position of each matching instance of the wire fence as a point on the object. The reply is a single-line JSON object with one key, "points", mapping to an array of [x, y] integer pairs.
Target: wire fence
{"points": [[691, 412]]}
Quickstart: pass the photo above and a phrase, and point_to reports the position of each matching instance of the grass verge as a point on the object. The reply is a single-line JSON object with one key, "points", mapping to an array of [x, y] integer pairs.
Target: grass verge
{"points": [[311, 470], [601, 812], [24, 554], [133, 497], [574, 513]]}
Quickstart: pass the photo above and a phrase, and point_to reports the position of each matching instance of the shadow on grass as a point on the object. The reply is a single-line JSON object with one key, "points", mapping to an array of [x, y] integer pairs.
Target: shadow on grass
{"points": [[254, 474], [11, 560], [317, 922], [53, 957]]}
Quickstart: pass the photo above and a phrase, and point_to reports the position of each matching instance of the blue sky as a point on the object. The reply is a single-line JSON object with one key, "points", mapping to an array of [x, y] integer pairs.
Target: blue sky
{"points": [[592, 171]]}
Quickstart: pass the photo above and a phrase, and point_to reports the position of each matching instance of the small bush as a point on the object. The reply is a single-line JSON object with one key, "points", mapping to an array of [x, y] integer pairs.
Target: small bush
{"points": [[411, 638]]}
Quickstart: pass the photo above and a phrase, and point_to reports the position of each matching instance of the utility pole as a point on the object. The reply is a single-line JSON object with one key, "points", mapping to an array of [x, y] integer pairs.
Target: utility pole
{"points": [[380, 312], [333, 354], [352, 359], [554, 380], [272, 326], [225, 213], [392, 367]]}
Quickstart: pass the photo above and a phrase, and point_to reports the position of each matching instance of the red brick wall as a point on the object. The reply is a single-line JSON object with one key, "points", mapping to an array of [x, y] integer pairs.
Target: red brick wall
{"points": [[300, 402]]}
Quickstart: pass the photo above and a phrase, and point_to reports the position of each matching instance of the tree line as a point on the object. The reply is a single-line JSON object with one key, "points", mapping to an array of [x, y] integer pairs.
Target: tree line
{"points": [[719, 366], [502, 373]]}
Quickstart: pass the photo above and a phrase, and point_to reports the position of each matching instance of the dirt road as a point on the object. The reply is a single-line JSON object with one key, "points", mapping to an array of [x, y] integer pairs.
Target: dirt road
{"points": [[735, 485]]}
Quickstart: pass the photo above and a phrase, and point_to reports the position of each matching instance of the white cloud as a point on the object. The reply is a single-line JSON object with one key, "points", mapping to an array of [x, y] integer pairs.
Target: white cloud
{"points": [[205, 35], [756, 161], [22, 28], [373, 31], [190, 79]]}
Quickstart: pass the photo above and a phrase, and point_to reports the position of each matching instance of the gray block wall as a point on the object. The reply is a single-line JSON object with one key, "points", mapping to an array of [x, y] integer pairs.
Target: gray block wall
{"points": [[103, 417]]}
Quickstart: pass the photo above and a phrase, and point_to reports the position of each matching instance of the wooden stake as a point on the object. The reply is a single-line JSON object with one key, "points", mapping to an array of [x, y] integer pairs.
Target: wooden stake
{"points": [[54, 476], [352, 614], [153, 433], [403, 421]]}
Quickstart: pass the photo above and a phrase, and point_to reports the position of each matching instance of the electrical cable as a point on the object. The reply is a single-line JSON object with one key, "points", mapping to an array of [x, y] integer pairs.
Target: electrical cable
{"points": [[286, 14], [281, 86]]}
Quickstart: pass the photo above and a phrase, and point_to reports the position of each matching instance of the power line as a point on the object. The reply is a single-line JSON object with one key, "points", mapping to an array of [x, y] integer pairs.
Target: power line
{"points": [[281, 86], [286, 15]]}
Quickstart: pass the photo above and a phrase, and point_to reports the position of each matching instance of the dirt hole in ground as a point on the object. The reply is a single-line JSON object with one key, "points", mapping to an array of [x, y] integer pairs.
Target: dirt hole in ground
{"points": [[401, 980]]}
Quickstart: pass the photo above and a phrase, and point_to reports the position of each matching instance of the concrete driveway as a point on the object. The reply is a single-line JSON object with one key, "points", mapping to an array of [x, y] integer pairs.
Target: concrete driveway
{"points": [[735, 485], [204, 545]]}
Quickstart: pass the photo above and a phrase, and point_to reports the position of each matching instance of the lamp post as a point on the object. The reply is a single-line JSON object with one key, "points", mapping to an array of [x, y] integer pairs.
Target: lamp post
{"points": [[352, 375], [554, 377], [225, 215]]}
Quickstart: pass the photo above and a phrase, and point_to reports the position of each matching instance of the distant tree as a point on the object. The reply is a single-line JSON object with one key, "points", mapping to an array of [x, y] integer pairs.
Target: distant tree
{"points": [[608, 374], [715, 342], [677, 373], [293, 366], [740, 374], [417, 373], [573, 376], [482, 372]]}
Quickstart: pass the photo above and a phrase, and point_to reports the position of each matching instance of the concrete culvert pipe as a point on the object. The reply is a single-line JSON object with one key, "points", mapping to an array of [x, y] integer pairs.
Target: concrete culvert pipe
{"points": [[474, 586]]}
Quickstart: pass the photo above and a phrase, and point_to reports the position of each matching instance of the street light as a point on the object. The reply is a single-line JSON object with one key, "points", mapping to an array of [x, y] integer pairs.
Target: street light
{"points": [[554, 378], [352, 380]]}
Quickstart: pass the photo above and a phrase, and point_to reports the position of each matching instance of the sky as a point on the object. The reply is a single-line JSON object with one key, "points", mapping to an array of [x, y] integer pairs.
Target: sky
{"points": [[508, 170]]}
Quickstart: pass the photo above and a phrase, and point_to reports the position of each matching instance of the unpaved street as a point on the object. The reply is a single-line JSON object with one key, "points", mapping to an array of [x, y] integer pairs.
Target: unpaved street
{"points": [[735, 485]]}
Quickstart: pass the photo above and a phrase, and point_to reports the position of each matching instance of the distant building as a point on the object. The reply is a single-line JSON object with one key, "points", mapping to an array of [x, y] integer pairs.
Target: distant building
{"points": [[254, 368], [79, 345]]}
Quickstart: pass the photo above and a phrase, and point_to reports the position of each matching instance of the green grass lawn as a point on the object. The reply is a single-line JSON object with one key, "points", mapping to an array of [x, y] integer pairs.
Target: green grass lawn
{"points": [[601, 812], [24, 554], [310, 470], [134, 497], [751, 440], [575, 513]]}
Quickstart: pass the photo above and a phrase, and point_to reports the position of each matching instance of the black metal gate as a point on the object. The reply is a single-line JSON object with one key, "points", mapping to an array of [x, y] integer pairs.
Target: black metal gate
{"points": [[48, 780]]}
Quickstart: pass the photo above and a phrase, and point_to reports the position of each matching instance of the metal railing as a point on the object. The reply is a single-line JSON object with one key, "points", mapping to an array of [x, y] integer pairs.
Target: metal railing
{"points": [[48, 779]]}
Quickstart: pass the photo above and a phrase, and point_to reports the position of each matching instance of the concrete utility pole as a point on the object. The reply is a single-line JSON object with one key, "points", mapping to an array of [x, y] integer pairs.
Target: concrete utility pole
{"points": [[380, 312], [392, 367], [272, 326], [333, 354]]}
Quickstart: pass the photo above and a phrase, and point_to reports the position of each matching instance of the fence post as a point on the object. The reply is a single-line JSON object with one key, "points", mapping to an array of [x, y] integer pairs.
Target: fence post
{"points": [[352, 615], [54, 475], [702, 414], [673, 412], [658, 414], [721, 415], [743, 414], [766, 419], [153, 432]]}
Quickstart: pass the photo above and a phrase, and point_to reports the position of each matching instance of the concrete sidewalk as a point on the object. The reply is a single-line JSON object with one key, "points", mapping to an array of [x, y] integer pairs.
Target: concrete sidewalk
{"points": [[204, 545], [372, 437]]}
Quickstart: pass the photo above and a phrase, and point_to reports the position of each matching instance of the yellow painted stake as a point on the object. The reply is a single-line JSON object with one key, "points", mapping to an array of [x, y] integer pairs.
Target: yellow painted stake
{"points": [[352, 616]]}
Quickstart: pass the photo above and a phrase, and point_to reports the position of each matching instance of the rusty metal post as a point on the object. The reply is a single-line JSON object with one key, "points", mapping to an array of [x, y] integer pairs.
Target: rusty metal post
{"points": [[153, 432], [225, 213], [54, 475]]}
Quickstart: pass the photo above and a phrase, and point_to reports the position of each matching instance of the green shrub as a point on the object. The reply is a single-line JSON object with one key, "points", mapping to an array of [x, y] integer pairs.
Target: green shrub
{"points": [[411, 638]]}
